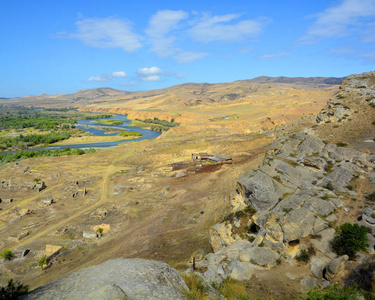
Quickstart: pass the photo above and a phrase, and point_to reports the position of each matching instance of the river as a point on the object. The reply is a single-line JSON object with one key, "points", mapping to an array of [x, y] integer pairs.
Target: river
{"points": [[93, 128]]}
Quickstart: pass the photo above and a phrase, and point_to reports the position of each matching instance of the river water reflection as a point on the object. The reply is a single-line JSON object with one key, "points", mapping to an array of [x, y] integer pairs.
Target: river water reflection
{"points": [[94, 128]]}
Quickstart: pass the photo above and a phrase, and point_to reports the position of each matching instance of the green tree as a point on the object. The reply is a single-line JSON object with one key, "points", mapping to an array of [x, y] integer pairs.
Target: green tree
{"points": [[350, 239], [13, 290]]}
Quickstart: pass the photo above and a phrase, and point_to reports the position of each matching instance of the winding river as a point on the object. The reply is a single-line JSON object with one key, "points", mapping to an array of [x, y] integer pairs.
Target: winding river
{"points": [[93, 128]]}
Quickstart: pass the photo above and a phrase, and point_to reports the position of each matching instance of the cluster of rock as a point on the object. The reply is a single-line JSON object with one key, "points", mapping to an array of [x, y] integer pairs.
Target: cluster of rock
{"points": [[361, 85], [296, 192]]}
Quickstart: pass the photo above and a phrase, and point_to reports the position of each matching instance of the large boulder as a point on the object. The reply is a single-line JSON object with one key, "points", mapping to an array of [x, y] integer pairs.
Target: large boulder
{"points": [[116, 279], [261, 190], [335, 266], [262, 256]]}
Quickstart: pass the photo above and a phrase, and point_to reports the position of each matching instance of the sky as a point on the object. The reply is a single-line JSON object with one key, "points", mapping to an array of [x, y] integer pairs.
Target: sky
{"points": [[61, 47]]}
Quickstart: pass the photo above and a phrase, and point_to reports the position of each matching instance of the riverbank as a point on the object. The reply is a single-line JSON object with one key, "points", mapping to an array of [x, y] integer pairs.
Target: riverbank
{"points": [[86, 139]]}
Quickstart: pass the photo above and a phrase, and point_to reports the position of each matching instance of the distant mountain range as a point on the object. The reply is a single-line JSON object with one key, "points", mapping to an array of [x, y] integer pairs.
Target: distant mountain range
{"points": [[182, 94], [299, 80]]}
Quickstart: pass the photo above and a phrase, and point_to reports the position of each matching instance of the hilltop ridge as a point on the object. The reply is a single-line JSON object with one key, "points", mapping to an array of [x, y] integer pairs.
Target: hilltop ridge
{"points": [[189, 93]]}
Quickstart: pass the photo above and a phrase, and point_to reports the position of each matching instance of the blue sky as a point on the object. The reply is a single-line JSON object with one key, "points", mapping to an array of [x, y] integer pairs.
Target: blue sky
{"points": [[59, 47]]}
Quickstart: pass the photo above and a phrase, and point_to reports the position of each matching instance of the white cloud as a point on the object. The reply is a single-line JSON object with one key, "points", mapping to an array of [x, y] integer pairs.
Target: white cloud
{"points": [[119, 74], [107, 77], [149, 71], [155, 74], [160, 26], [150, 74], [188, 56], [107, 33], [274, 55], [340, 20], [216, 28], [163, 21]]}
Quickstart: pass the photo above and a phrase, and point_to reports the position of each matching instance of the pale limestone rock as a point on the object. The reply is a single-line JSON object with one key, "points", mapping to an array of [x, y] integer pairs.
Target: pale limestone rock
{"points": [[220, 235]]}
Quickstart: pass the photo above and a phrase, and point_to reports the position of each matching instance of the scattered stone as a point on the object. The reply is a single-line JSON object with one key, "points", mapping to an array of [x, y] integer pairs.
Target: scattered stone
{"points": [[180, 174], [22, 235], [309, 282], [40, 186], [290, 275], [47, 202], [89, 235], [367, 215]]}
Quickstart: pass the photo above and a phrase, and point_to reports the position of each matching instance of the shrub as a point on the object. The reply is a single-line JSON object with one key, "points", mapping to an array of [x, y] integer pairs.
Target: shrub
{"points": [[233, 289], [196, 288], [329, 186], [42, 262], [305, 254], [340, 144], [371, 197], [250, 209], [333, 292], [349, 239], [100, 231], [362, 276], [7, 254], [13, 290]]}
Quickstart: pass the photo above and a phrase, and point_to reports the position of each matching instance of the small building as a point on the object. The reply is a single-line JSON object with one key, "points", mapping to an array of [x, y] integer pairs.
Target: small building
{"points": [[200, 156], [215, 158]]}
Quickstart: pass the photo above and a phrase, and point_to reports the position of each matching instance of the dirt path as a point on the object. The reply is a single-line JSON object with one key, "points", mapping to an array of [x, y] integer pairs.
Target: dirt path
{"points": [[106, 175]]}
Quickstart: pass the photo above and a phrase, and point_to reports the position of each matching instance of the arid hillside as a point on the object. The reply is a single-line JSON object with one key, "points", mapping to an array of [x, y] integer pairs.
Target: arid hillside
{"points": [[149, 197]]}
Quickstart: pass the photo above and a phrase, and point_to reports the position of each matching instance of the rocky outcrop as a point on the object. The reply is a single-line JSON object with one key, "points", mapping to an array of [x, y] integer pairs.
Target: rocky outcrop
{"points": [[296, 193], [116, 279], [361, 85]]}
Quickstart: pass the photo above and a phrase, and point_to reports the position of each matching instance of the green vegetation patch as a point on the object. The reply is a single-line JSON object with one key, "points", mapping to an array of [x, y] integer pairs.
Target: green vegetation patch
{"points": [[110, 122], [130, 133], [7, 254], [13, 290], [156, 124], [350, 239], [23, 154], [305, 254], [25, 141], [21, 117], [105, 116], [333, 292]]}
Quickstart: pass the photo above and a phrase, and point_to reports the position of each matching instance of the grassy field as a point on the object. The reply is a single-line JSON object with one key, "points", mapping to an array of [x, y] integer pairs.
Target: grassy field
{"points": [[109, 122]]}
